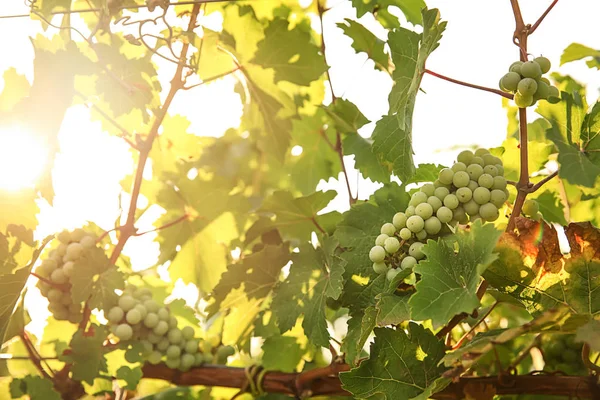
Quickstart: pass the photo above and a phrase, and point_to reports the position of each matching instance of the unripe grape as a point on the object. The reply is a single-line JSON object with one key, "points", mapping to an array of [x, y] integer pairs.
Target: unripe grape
{"points": [[173, 363], [415, 250], [187, 362], [481, 195], [510, 81], [49, 265], [172, 322], [444, 214], [421, 235], [544, 64], [147, 347], [380, 267], [388, 229], [377, 254], [499, 183], [486, 181], [516, 67], [489, 212], [530, 207], [408, 262], [392, 245], [123, 332], [500, 169], [173, 351], [497, 198], [434, 202], [68, 268], [481, 151], [58, 276], [127, 302], [417, 198], [553, 95], [66, 299], [61, 250], [88, 242], [478, 160], [409, 212], [54, 295], [543, 90], [151, 320], [64, 237], [465, 157], [163, 314], [464, 194], [399, 220], [75, 308], [428, 189], [153, 338], [472, 185], [380, 240], [163, 344], [142, 310], [451, 201], [191, 346], [489, 159], [424, 210], [458, 166], [523, 101], [115, 315], [531, 69], [75, 318], [133, 317], [199, 359], [74, 251], [78, 234], [187, 332], [471, 207], [415, 223], [61, 315], [161, 328], [151, 306], [490, 170], [475, 171], [461, 179], [459, 215], [527, 87], [155, 357], [445, 176], [392, 273], [433, 226], [405, 233], [441, 193]]}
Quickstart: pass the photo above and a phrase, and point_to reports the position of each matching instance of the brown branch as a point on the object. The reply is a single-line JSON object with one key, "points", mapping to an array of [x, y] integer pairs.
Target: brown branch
{"points": [[542, 182], [523, 185], [466, 335], [485, 89], [459, 317], [33, 355], [541, 18], [165, 226]]}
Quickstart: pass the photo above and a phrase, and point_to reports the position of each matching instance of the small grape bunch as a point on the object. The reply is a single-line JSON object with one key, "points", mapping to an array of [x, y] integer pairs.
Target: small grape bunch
{"points": [[56, 271], [563, 353], [525, 80]]}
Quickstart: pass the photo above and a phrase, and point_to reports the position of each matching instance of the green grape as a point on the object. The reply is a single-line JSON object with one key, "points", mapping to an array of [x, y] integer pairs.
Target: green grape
{"points": [[460, 179], [409, 212], [465, 157], [64, 237], [377, 254], [78, 234], [405, 233], [141, 309], [428, 189], [58, 276], [147, 346], [435, 203], [223, 352], [451, 201], [445, 176], [173, 351], [191, 346], [155, 357], [88, 242], [500, 169], [408, 262], [173, 363], [571, 343], [523, 101], [510, 81], [417, 198], [444, 214], [380, 268], [127, 302], [471, 207], [424, 210], [187, 332], [498, 198], [516, 67], [61, 250], [187, 362], [441, 193], [399, 220], [55, 295], [459, 216], [489, 159], [421, 235], [151, 320], [489, 212], [163, 344], [380, 240], [531, 69], [481, 151], [133, 317], [415, 223], [553, 95], [486, 181], [392, 245], [199, 359], [499, 183], [464, 194], [66, 299], [161, 328], [74, 251], [388, 229], [479, 161], [527, 87], [433, 226], [415, 250], [472, 185], [115, 315], [544, 64], [392, 273], [153, 338], [481, 195], [458, 166], [68, 268], [151, 306], [530, 207], [475, 171], [543, 90], [124, 332], [555, 348], [490, 170]]}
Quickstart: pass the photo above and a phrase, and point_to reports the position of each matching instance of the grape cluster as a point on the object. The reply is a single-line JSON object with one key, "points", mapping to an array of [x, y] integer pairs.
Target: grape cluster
{"points": [[138, 318], [56, 271], [531, 208], [524, 79], [473, 188], [562, 353]]}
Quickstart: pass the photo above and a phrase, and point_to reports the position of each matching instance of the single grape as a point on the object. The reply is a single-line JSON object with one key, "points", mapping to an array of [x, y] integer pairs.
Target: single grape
{"points": [[421, 235], [471, 207], [465, 157], [527, 87], [74, 251], [54, 295], [173, 363], [187, 362], [516, 67], [88, 242], [68, 268], [408, 262], [475, 171], [223, 352], [472, 185], [478, 160], [151, 320], [451, 201], [481, 151], [380, 267], [441, 193], [530, 207], [399, 220], [461, 179], [377, 254], [553, 95], [133, 317], [510, 81], [523, 101], [433, 226], [544, 64], [405, 233], [415, 250], [500, 169], [435, 203], [161, 328], [531, 69], [444, 214], [415, 223], [77, 234], [409, 212], [489, 212], [123, 332], [127, 302], [151, 306], [163, 314], [173, 351], [172, 322], [498, 198], [115, 315], [163, 344], [486, 181], [392, 245], [445, 176], [388, 229], [75, 308], [543, 90], [391, 274], [64, 237], [155, 357], [199, 359], [424, 210], [459, 215], [489, 159], [428, 189], [58, 276], [66, 299], [464, 194], [499, 183], [490, 170], [458, 166], [380, 240], [481, 195], [191, 346], [417, 198], [141, 309], [61, 250], [49, 265]]}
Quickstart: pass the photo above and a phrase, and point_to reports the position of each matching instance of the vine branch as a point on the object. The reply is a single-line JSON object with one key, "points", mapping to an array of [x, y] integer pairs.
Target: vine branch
{"points": [[541, 18], [485, 89]]}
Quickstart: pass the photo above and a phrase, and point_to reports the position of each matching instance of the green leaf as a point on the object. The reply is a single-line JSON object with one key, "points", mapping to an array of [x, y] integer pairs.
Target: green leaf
{"points": [[130, 375], [346, 116], [103, 294], [209, 60], [87, 354], [364, 158], [47, 6], [36, 387], [393, 309], [290, 52], [364, 41], [410, 8], [551, 207], [11, 286], [576, 51], [590, 334], [16, 87], [400, 366], [281, 353], [426, 173], [449, 279], [392, 137]]}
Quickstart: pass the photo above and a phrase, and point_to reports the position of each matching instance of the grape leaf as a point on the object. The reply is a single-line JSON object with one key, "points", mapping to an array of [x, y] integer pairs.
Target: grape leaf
{"points": [[576, 51], [47, 6], [551, 207], [364, 158], [426, 173], [245, 29], [16, 87], [87, 354], [103, 294], [346, 116], [393, 308], [314, 276], [410, 8], [11, 286], [392, 137], [92, 262], [274, 347], [401, 365], [590, 333], [364, 41], [210, 60], [36, 387], [130, 375], [290, 52], [449, 280]]}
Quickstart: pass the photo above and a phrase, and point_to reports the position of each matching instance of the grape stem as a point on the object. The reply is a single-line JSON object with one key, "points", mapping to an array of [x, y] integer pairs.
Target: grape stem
{"points": [[466, 335], [485, 89], [61, 287], [541, 18], [165, 226]]}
